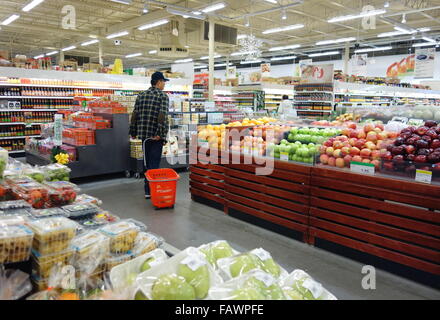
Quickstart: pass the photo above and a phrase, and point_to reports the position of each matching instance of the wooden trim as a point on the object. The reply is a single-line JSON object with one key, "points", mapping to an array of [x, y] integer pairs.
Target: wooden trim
{"points": [[207, 188], [208, 173], [207, 195], [216, 183]]}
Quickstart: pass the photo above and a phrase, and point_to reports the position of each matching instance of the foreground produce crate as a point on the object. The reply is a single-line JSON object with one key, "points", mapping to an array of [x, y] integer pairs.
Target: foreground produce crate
{"points": [[393, 219]]}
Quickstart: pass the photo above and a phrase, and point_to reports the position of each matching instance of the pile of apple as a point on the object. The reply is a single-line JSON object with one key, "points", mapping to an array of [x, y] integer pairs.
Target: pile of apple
{"points": [[297, 151], [414, 146], [359, 145]]}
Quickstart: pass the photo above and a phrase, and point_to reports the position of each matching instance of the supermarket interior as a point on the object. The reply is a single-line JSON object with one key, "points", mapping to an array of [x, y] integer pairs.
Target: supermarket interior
{"points": [[293, 152]]}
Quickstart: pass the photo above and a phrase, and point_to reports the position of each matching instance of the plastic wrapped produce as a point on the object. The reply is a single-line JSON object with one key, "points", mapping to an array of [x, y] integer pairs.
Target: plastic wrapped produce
{"points": [[32, 192], [34, 173], [12, 220], [42, 265], [146, 242], [301, 286], [61, 193], [91, 249], [114, 260], [56, 172], [125, 274], [5, 192], [217, 250], [185, 276], [259, 259], [15, 243], [14, 169], [85, 198], [80, 211], [254, 285], [50, 288], [98, 221], [15, 207], [52, 234], [14, 284], [50, 212], [122, 235]]}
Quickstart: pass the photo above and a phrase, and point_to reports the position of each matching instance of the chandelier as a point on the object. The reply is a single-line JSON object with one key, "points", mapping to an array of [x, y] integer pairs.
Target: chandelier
{"points": [[250, 47]]}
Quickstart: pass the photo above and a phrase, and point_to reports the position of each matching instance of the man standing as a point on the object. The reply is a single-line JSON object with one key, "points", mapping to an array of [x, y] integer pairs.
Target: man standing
{"points": [[149, 123]]}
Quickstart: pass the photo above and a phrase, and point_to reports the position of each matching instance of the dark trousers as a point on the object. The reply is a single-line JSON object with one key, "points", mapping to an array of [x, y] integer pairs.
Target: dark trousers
{"points": [[152, 156]]}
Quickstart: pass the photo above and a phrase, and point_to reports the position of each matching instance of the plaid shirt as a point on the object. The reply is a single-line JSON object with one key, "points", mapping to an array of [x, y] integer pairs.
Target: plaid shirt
{"points": [[150, 115]]}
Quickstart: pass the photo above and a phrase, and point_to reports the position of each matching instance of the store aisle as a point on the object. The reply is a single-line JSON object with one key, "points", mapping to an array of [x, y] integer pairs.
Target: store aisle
{"points": [[192, 224]]}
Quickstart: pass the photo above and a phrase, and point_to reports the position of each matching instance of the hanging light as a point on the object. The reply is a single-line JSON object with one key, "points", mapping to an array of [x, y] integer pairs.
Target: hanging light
{"points": [[247, 23], [404, 18], [284, 15]]}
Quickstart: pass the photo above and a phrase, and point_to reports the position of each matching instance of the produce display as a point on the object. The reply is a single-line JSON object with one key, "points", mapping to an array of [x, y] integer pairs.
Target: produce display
{"points": [[15, 243], [42, 264], [358, 145], [122, 236], [57, 172], [61, 193]]}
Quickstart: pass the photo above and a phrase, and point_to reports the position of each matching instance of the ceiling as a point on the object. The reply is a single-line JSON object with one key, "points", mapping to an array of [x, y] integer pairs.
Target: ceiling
{"points": [[39, 31]]}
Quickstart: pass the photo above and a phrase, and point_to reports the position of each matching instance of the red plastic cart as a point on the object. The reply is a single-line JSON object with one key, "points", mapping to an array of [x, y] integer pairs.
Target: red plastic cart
{"points": [[163, 187]]}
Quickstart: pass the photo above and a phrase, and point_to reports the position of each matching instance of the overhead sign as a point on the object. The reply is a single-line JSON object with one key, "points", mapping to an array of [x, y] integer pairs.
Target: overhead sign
{"points": [[425, 63], [265, 70], [317, 73], [359, 65]]}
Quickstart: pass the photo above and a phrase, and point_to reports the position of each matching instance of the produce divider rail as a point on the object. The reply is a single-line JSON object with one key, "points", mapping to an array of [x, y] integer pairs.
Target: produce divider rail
{"points": [[376, 215]]}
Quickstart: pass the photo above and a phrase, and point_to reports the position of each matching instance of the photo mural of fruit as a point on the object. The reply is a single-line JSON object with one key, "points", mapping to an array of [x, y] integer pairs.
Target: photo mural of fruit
{"points": [[365, 144], [415, 148]]}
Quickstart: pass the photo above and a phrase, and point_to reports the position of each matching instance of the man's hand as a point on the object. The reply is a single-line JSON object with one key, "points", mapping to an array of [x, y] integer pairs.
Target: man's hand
{"points": [[157, 138]]}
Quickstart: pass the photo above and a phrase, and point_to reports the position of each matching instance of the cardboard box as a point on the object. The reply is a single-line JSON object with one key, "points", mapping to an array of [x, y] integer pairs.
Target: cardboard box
{"points": [[96, 67], [4, 54]]}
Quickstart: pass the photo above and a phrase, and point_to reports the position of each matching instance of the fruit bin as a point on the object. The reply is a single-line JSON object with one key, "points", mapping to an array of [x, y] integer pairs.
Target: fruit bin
{"points": [[32, 192], [61, 193]]}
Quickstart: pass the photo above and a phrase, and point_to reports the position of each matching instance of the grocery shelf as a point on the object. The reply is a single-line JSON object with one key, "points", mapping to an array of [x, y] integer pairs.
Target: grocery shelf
{"points": [[34, 97], [10, 123], [307, 110], [301, 92], [16, 151], [27, 110], [3, 84], [18, 137], [307, 101]]}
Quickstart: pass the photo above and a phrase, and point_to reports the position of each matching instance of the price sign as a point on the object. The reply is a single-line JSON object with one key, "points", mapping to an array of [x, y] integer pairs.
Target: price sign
{"points": [[423, 176], [58, 130], [361, 167], [203, 144], [284, 156]]}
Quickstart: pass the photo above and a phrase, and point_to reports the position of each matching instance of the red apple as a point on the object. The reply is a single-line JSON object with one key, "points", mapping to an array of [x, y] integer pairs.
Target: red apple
{"points": [[330, 151], [392, 135], [348, 159], [324, 158], [357, 159], [337, 153], [377, 130], [332, 161], [352, 125], [387, 156], [322, 149], [345, 151], [328, 143], [421, 131], [368, 127], [372, 136], [337, 144], [365, 152], [380, 126], [352, 141], [340, 163], [435, 144], [388, 165], [360, 143], [410, 149], [366, 161], [376, 163], [382, 136], [346, 131], [362, 135], [355, 151], [420, 159], [375, 155], [346, 144], [370, 145]]}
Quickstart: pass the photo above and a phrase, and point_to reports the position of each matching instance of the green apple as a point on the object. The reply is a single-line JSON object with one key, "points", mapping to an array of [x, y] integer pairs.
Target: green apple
{"points": [[199, 279], [222, 250], [172, 287], [146, 265], [272, 267], [140, 296], [243, 264], [306, 293], [293, 294], [248, 293], [209, 255], [131, 278], [272, 292]]}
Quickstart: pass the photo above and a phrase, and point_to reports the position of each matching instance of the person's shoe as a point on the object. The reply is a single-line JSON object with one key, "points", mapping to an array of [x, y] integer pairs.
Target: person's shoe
{"points": [[147, 196]]}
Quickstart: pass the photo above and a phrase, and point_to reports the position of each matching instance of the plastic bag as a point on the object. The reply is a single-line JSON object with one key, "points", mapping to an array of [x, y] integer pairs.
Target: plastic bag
{"points": [[260, 259], [80, 211], [56, 172], [122, 235], [185, 276], [14, 284], [85, 198], [217, 250], [146, 242], [15, 243], [301, 286], [35, 173], [61, 193], [254, 285]]}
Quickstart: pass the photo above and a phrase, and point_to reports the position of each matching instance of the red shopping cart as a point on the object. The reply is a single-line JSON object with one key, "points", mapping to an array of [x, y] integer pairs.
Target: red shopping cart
{"points": [[163, 187]]}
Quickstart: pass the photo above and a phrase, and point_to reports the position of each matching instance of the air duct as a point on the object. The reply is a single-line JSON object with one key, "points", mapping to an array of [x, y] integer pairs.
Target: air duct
{"points": [[170, 44]]}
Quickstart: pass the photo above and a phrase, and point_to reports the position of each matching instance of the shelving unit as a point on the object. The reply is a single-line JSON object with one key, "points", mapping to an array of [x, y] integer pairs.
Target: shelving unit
{"points": [[312, 103]]}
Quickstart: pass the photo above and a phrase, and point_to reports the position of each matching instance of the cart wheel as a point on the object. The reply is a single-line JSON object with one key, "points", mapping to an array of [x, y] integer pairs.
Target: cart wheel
{"points": [[127, 174], [137, 175]]}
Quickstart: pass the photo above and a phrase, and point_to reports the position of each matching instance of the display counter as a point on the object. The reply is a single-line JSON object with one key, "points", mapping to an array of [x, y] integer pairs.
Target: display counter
{"points": [[392, 218]]}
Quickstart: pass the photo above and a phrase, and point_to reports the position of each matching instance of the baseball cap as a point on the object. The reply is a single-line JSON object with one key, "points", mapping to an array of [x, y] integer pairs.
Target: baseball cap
{"points": [[159, 76]]}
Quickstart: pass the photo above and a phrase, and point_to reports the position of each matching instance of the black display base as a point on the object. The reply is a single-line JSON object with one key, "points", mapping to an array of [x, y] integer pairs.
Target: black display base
{"points": [[208, 203], [422, 277], [293, 234]]}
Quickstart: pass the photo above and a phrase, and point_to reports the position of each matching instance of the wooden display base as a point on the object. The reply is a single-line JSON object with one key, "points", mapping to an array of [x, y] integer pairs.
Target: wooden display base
{"points": [[390, 219]]}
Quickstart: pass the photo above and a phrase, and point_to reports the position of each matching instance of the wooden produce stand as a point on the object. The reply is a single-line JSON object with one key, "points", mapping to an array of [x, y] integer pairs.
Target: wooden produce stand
{"points": [[389, 219]]}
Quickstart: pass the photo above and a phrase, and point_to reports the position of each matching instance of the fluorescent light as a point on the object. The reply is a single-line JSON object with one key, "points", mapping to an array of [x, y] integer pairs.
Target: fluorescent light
{"points": [[283, 58], [214, 7], [117, 35], [386, 4], [357, 16], [241, 36], [88, 43], [293, 46], [154, 24], [51, 53], [68, 48], [93, 36], [133, 55], [185, 14], [250, 62], [207, 57], [373, 49], [32, 5], [183, 60], [222, 65], [319, 43], [10, 19], [201, 67], [122, 1], [429, 39], [152, 52], [197, 13], [390, 34], [405, 30], [320, 54], [242, 53], [271, 1], [281, 29], [424, 29], [425, 44], [38, 57]]}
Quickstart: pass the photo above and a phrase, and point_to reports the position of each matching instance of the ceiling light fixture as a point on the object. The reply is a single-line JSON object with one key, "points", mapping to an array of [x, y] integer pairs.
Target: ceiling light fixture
{"points": [[207, 57], [185, 14], [283, 58], [222, 65], [390, 34], [321, 54], [10, 19], [214, 7], [122, 1], [373, 49], [32, 5], [93, 36], [117, 35], [281, 29], [154, 24], [294, 46], [133, 55], [241, 36], [425, 44], [183, 60], [39, 57], [404, 18], [386, 4], [429, 39], [145, 10], [88, 43], [51, 53], [405, 30], [201, 67], [242, 53], [284, 15], [68, 48], [357, 16], [272, 1], [247, 23], [424, 29], [319, 43], [152, 52], [250, 62]]}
